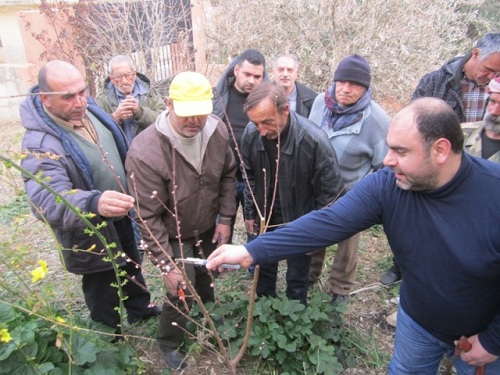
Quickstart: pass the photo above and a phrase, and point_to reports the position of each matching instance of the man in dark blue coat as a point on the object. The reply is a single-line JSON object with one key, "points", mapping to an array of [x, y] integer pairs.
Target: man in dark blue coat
{"points": [[79, 151]]}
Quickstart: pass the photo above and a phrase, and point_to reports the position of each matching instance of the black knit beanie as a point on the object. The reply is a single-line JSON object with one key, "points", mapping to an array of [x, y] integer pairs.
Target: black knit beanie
{"points": [[354, 68]]}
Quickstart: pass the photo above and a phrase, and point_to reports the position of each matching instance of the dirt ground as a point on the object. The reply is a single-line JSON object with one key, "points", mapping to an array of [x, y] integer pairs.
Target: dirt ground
{"points": [[370, 302]]}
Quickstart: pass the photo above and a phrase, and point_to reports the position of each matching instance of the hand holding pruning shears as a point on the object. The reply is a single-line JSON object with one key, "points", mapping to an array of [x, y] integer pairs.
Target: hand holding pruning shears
{"points": [[203, 262], [473, 349], [172, 281]]}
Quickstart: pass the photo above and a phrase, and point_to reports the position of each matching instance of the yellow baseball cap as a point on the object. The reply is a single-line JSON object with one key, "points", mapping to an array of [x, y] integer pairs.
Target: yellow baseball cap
{"points": [[191, 94]]}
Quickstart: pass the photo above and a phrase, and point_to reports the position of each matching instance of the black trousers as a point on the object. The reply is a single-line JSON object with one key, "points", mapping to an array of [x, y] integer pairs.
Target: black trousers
{"points": [[102, 298], [297, 278]]}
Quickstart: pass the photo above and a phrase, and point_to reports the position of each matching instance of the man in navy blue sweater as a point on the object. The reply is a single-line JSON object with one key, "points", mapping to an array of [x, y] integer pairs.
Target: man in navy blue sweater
{"points": [[440, 209]]}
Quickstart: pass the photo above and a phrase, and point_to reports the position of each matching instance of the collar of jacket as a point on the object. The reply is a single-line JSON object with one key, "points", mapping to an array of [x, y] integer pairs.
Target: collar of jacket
{"points": [[473, 132], [455, 68], [287, 146], [304, 93], [67, 141]]}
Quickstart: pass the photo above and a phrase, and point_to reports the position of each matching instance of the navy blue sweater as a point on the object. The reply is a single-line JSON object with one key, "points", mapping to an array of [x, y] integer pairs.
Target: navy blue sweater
{"points": [[446, 241]]}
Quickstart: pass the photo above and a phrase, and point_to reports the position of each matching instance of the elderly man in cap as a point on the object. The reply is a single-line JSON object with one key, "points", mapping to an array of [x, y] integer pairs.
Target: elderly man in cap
{"points": [[357, 128], [183, 164], [483, 137]]}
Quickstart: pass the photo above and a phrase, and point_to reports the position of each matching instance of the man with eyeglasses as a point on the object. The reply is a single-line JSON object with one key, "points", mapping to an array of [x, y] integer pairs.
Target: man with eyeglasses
{"points": [[128, 96]]}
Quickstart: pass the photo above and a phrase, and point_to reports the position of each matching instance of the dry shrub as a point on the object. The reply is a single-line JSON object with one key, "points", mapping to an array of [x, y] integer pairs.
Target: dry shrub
{"points": [[402, 39], [155, 34], [144, 29]]}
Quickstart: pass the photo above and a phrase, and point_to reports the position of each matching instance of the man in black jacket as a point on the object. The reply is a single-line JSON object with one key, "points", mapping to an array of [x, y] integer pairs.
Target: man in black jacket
{"points": [[285, 73], [292, 169], [245, 72]]}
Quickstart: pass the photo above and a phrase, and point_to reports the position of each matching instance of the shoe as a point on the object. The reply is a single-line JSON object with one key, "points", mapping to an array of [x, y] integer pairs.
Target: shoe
{"points": [[339, 299], [390, 276], [152, 312], [174, 360]]}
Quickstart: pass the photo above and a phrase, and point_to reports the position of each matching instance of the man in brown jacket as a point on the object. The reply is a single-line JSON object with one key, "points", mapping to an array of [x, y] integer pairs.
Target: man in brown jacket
{"points": [[181, 171]]}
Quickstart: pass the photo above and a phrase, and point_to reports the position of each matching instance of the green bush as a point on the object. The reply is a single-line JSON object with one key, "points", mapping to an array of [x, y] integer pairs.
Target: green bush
{"points": [[38, 332], [290, 337], [35, 344]]}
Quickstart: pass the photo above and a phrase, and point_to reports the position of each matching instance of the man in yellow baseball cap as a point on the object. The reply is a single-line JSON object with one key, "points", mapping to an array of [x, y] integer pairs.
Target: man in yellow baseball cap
{"points": [[183, 164], [191, 94]]}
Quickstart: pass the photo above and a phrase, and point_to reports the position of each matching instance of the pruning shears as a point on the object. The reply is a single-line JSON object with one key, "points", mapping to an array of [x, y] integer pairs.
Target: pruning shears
{"points": [[463, 346], [203, 262]]}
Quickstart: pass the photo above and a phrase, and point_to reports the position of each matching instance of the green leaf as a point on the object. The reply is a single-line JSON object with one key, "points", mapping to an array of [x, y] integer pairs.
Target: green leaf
{"points": [[7, 313], [281, 340], [6, 350], [291, 347], [97, 369], [82, 350], [45, 367], [291, 307]]}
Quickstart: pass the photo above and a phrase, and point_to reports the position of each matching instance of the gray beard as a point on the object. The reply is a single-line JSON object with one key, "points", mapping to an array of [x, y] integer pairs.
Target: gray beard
{"points": [[492, 123]]}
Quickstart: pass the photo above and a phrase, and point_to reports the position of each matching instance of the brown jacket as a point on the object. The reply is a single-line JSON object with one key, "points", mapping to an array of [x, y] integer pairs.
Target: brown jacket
{"points": [[163, 182]]}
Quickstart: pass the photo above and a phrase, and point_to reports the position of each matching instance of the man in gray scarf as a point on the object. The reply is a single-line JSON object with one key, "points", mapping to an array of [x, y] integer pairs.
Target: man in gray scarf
{"points": [[357, 129]]}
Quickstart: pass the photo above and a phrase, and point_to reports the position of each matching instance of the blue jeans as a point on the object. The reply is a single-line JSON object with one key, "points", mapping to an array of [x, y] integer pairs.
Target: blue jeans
{"points": [[417, 352]]}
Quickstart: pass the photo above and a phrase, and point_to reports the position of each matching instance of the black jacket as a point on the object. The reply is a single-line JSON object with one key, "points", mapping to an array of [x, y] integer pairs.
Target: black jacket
{"points": [[444, 83], [308, 171], [305, 99]]}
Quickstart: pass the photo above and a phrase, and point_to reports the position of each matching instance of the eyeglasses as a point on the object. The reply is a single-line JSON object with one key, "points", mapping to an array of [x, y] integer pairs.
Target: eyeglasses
{"points": [[119, 77]]}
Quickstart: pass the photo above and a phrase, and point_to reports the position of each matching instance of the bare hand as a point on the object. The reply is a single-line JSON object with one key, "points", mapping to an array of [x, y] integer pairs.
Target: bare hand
{"points": [[250, 227], [127, 108], [222, 233], [229, 254], [477, 356], [173, 281], [114, 204]]}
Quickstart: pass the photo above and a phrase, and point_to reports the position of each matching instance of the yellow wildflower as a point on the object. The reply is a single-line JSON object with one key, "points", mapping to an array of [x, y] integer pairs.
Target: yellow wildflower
{"points": [[40, 272], [60, 320], [5, 335]]}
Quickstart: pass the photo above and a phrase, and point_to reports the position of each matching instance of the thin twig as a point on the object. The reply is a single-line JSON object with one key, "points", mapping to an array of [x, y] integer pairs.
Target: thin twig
{"points": [[38, 93]]}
